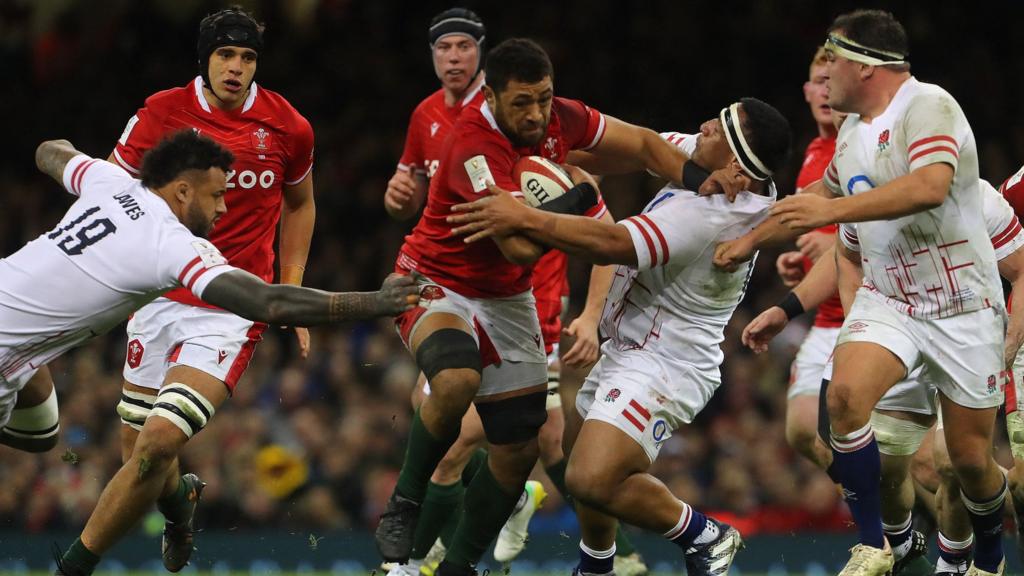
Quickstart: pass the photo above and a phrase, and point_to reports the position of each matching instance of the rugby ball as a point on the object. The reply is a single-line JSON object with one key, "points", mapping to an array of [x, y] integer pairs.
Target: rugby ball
{"points": [[540, 179]]}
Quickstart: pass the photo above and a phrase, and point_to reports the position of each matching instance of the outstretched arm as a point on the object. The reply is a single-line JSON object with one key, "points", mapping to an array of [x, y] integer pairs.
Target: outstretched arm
{"points": [[248, 296], [597, 241], [53, 155]]}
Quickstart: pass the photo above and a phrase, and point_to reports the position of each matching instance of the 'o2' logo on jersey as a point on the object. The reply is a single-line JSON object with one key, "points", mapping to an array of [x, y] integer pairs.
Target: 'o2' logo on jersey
{"points": [[248, 179], [859, 179]]}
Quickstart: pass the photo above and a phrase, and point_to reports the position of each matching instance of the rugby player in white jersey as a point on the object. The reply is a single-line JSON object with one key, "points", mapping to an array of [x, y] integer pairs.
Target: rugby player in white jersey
{"points": [[665, 318], [906, 170], [120, 245], [904, 416]]}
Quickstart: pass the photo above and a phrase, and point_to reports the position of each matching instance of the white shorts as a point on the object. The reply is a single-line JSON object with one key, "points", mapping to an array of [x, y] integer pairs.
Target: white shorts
{"points": [[805, 373], [913, 394], [961, 356], [644, 395], [165, 333], [506, 331]]}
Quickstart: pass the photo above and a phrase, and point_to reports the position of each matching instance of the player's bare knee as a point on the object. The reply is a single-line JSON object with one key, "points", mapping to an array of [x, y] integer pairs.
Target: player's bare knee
{"points": [[590, 483], [453, 390], [802, 440], [550, 443], [843, 409]]}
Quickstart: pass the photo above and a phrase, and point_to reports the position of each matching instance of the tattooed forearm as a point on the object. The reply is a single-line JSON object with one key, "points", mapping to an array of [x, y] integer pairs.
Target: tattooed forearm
{"points": [[53, 155], [352, 306]]}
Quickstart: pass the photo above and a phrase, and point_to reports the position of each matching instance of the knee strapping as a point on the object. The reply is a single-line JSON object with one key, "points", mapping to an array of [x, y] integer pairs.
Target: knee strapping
{"points": [[897, 437], [184, 407], [135, 407], [513, 420], [448, 348], [35, 426], [554, 399]]}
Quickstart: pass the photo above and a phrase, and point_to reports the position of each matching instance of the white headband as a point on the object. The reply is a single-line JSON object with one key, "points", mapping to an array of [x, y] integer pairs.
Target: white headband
{"points": [[751, 164], [859, 53]]}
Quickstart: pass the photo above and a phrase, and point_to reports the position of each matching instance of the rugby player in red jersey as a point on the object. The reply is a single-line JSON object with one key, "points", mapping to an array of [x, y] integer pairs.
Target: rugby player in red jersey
{"points": [[476, 335], [179, 338]]}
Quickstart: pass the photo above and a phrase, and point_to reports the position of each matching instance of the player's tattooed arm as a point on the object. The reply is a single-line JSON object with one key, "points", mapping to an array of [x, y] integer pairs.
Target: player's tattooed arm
{"points": [[246, 295], [53, 155]]}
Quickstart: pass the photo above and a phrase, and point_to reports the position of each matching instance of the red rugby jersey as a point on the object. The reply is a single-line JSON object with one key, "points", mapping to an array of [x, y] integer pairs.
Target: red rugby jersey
{"points": [[475, 153], [816, 158], [429, 124], [272, 144]]}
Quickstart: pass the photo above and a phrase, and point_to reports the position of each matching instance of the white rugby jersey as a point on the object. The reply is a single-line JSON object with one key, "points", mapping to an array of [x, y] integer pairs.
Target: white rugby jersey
{"points": [[939, 262], [1001, 223], [676, 303], [118, 247]]}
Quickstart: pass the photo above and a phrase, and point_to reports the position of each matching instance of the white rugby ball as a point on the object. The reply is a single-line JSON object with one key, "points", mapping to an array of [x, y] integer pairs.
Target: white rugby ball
{"points": [[540, 179]]}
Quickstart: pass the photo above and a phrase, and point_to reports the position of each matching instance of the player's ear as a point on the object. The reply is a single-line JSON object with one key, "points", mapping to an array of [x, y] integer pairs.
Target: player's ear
{"points": [[490, 96], [183, 190], [866, 71], [807, 91]]}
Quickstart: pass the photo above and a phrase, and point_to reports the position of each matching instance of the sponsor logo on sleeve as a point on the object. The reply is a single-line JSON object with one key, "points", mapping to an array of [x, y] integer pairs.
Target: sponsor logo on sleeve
{"points": [[479, 173], [208, 253], [123, 140]]}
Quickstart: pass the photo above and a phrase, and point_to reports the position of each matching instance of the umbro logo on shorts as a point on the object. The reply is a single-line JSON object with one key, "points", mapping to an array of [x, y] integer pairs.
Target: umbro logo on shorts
{"points": [[221, 355], [857, 327]]}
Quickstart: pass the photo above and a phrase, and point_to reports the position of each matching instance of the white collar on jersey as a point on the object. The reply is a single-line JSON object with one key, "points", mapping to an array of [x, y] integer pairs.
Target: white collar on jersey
{"points": [[486, 111], [472, 94], [198, 84]]}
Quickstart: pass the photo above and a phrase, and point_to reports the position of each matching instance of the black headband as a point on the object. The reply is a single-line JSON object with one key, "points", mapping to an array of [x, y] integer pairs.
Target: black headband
{"points": [[457, 21]]}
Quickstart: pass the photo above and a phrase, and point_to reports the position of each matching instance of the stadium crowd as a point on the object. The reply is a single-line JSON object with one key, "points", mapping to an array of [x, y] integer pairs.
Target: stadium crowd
{"points": [[316, 444]]}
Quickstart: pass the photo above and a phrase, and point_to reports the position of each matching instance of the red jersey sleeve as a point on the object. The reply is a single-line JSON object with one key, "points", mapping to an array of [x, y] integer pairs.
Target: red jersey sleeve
{"points": [[1013, 191], [582, 126], [300, 152], [142, 132], [479, 163]]}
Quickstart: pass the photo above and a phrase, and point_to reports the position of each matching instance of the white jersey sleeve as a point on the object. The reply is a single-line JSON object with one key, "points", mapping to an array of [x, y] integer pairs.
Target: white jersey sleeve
{"points": [[85, 176], [848, 235], [191, 262], [1003, 226], [933, 130], [831, 179], [658, 236]]}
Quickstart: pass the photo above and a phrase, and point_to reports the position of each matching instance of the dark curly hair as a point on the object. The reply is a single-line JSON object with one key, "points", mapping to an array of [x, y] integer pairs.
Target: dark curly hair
{"points": [[180, 152]]}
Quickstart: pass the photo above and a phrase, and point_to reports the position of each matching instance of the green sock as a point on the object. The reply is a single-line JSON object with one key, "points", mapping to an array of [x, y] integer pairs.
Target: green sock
{"points": [[176, 505], [487, 507], [421, 457], [477, 460], [440, 505], [80, 557], [623, 546], [448, 532]]}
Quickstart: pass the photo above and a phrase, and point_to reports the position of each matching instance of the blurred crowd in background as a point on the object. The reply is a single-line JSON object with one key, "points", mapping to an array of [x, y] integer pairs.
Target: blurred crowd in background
{"points": [[316, 444]]}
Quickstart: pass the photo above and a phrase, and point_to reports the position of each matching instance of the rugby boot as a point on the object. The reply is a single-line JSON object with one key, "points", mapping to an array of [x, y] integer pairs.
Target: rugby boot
{"points": [[915, 562], [975, 571], [176, 544], [632, 565], [514, 535], [715, 557], [868, 561], [397, 527]]}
